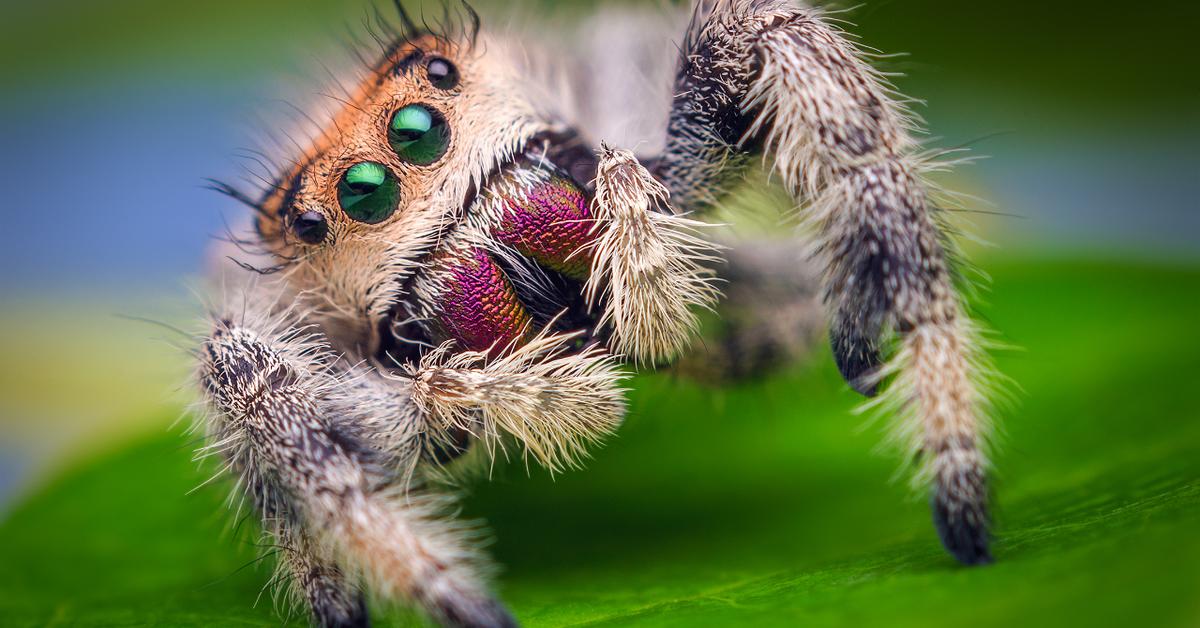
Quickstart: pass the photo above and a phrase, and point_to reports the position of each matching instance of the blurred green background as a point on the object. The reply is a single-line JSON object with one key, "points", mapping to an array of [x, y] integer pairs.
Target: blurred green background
{"points": [[767, 502]]}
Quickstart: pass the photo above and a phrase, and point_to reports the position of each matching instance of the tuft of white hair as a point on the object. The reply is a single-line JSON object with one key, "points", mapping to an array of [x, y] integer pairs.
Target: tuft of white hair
{"points": [[554, 402], [649, 266]]}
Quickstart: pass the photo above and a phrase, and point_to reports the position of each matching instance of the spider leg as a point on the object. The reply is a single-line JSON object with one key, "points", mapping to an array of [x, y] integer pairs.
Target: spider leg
{"points": [[268, 388], [334, 599], [766, 75], [311, 576]]}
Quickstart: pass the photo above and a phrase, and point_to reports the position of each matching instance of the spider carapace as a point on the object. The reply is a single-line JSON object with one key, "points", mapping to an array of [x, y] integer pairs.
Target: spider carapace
{"points": [[464, 260]]}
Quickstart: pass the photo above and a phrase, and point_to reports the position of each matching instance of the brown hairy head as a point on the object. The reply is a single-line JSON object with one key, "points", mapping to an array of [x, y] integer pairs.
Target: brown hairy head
{"points": [[390, 171]]}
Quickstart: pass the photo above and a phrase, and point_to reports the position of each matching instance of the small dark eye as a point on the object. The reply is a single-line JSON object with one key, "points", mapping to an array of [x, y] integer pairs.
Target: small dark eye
{"points": [[419, 134], [442, 73], [368, 192], [311, 227]]}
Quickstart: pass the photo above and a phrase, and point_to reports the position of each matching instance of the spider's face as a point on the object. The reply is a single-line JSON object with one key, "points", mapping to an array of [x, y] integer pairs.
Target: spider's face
{"points": [[391, 170]]}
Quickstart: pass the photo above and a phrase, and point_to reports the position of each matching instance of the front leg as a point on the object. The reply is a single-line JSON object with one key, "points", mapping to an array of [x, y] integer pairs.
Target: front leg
{"points": [[268, 390], [766, 75], [306, 571], [333, 598]]}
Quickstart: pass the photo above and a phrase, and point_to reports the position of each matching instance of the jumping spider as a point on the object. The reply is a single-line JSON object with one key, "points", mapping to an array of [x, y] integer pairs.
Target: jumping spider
{"points": [[455, 265]]}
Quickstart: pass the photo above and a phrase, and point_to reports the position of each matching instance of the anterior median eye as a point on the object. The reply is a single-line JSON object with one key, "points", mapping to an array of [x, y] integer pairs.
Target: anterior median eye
{"points": [[368, 192], [419, 134]]}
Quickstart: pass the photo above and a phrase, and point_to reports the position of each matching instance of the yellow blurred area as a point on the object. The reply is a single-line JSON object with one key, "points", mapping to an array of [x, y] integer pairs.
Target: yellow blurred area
{"points": [[76, 376]]}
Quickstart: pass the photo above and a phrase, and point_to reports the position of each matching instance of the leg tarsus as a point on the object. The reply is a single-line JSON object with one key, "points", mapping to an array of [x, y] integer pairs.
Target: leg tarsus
{"points": [[857, 357], [961, 518], [934, 380], [331, 601], [475, 613], [339, 613]]}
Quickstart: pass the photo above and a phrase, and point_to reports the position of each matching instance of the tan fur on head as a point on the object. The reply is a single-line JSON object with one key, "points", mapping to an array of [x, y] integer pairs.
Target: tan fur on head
{"points": [[352, 278]]}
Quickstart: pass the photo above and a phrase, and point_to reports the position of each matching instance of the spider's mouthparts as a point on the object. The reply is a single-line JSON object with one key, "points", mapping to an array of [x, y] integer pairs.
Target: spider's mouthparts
{"points": [[472, 288], [538, 210]]}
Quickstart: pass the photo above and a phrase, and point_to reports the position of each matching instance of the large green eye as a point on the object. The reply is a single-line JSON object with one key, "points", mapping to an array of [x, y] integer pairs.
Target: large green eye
{"points": [[368, 192], [419, 134]]}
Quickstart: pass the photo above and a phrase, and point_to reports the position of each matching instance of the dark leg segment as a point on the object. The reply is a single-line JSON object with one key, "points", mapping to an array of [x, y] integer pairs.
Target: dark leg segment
{"points": [[766, 75], [332, 598], [268, 391]]}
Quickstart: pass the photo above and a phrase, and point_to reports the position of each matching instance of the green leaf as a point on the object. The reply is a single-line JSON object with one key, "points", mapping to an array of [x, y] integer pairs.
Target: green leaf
{"points": [[762, 504]]}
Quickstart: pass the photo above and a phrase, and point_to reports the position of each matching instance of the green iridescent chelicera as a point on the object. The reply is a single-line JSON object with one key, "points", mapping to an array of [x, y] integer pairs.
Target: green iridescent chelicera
{"points": [[419, 134], [368, 192]]}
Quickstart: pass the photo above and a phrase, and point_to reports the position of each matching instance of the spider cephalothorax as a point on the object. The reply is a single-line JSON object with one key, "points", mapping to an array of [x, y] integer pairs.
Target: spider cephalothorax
{"points": [[451, 264]]}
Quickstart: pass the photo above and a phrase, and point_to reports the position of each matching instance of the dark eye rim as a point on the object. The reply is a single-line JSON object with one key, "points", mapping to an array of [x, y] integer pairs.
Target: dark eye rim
{"points": [[447, 81]]}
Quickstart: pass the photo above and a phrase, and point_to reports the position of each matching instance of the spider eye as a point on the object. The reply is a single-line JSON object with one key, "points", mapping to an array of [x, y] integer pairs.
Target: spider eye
{"points": [[419, 134], [442, 74], [310, 227], [368, 192]]}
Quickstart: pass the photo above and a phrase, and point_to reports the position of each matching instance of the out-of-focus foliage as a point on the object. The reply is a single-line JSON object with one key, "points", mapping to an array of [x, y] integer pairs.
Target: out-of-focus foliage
{"points": [[754, 505], [1095, 55]]}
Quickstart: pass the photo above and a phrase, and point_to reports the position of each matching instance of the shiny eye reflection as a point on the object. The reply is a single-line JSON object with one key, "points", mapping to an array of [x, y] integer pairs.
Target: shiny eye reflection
{"points": [[442, 74], [368, 192], [419, 134]]}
